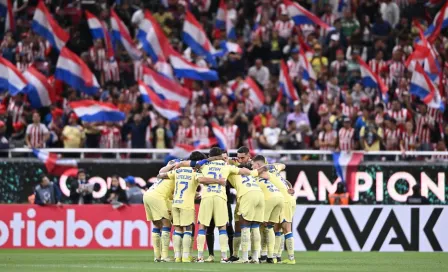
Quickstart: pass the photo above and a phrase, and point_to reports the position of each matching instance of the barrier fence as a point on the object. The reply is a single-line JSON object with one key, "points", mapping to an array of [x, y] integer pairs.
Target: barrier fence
{"points": [[375, 182], [315, 228]]}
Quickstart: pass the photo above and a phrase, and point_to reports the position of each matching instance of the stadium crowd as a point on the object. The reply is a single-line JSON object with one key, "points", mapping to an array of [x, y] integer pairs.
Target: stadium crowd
{"points": [[335, 112]]}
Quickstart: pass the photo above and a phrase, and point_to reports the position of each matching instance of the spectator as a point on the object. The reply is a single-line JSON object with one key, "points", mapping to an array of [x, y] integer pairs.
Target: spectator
{"points": [[318, 62], [18, 135], [392, 134], [370, 135], [260, 73], [73, 134], [80, 190], [298, 116], [416, 198], [115, 195], [184, 133], [292, 137], [425, 126], [346, 136], [200, 131], [409, 139], [134, 193], [137, 132], [4, 143], [37, 133], [47, 193], [271, 135], [161, 136], [232, 133], [390, 12], [327, 137], [358, 94], [349, 24], [441, 147]]}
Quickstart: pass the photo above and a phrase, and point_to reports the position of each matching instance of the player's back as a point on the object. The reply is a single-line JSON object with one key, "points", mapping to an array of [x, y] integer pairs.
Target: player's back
{"points": [[217, 169], [162, 189], [243, 184], [278, 181], [185, 185], [269, 189]]}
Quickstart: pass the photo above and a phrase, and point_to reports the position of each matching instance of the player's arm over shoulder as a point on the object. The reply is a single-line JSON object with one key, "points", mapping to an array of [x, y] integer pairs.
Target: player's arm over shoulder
{"points": [[168, 175], [205, 180]]}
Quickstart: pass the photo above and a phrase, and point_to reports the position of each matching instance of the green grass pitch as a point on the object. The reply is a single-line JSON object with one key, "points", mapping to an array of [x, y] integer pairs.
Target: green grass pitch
{"points": [[140, 260]]}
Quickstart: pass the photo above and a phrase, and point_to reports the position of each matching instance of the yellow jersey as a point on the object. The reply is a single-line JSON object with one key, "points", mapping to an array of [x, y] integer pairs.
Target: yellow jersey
{"points": [[243, 184], [269, 189], [185, 185], [162, 189], [278, 181], [217, 169]]}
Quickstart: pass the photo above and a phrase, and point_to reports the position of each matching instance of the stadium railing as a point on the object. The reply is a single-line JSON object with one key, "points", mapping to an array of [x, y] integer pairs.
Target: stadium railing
{"points": [[159, 153]]}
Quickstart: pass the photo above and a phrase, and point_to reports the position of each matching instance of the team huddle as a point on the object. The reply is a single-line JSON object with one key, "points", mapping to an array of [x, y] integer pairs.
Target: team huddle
{"points": [[263, 214]]}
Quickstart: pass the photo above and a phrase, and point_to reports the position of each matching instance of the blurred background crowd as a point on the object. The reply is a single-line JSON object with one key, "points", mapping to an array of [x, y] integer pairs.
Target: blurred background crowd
{"points": [[335, 112]]}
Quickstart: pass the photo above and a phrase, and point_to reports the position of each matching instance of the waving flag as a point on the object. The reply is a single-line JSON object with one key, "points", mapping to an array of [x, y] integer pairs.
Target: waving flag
{"points": [[72, 70], [40, 92], [255, 94], [121, 33], [94, 111], [7, 13], [440, 22], [44, 25], [220, 136], [185, 69], [167, 108], [309, 52], [372, 80], [194, 36], [10, 78], [346, 165], [301, 16], [285, 82], [422, 87], [228, 47], [55, 165], [165, 87], [307, 70], [220, 22], [152, 38], [99, 31], [424, 54], [230, 24]]}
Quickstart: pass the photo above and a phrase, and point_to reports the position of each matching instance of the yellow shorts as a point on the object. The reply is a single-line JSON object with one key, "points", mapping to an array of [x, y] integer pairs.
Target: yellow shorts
{"points": [[213, 207], [252, 206], [183, 217], [156, 208], [288, 211], [236, 217], [273, 209]]}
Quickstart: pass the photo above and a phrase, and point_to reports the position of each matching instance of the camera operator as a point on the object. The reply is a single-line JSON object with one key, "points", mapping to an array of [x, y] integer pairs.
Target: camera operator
{"points": [[80, 190]]}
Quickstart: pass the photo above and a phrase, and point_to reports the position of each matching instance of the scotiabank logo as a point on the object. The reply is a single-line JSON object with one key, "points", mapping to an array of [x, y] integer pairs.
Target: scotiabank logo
{"points": [[73, 226]]}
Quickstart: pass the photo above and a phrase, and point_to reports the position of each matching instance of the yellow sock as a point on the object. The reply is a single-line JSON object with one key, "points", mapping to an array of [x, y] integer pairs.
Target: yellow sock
{"points": [[256, 241], [223, 243], [177, 240], [165, 244], [282, 245], [270, 241], [155, 236], [289, 241], [186, 244], [236, 244], [278, 241], [264, 237], [245, 242], [200, 241]]}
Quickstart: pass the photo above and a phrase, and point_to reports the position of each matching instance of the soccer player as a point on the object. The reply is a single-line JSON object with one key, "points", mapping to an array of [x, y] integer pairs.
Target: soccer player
{"points": [[214, 202], [274, 202], [242, 157], [250, 212], [210, 235], [186, 181], [157, 203], [285, 188]]}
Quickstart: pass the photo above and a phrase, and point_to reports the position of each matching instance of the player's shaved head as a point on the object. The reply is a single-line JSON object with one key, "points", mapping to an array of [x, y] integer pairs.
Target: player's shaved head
{"points": [[243, 150], [259, 158], [215, 151], [197, 156]]}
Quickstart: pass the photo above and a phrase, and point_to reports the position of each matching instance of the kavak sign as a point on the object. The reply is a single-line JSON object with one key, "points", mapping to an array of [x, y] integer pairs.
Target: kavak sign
{"points": [[371, 228]]}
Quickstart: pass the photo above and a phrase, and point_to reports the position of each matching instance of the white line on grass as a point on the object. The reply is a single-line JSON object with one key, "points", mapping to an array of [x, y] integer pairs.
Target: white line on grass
{"points": [[101, 267]]}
